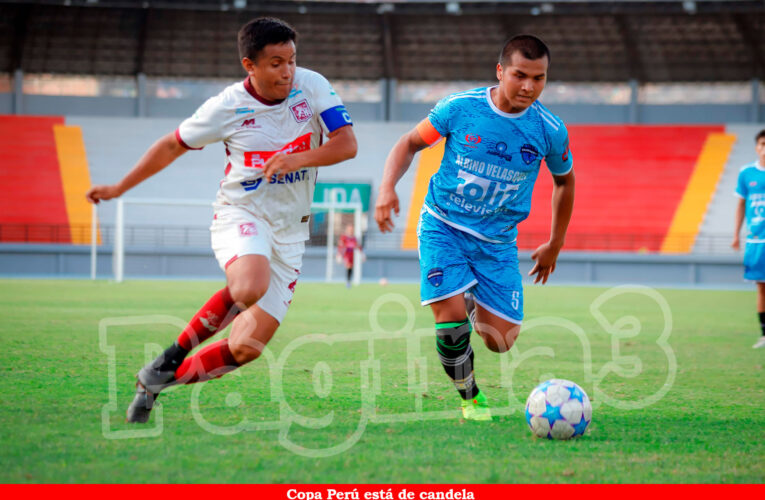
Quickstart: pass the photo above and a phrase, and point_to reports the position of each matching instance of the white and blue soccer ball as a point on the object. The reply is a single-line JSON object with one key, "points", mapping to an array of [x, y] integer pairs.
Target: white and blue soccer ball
{"points": [[558, 409]]}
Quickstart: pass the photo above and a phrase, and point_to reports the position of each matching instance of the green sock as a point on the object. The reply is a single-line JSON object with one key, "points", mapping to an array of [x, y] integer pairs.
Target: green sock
{"points": [[456, 355]]}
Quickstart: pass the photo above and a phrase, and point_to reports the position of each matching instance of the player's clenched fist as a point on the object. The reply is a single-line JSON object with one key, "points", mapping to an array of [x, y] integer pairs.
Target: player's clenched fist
{"points": [[387, 200], [280, 164], [98, 193]]}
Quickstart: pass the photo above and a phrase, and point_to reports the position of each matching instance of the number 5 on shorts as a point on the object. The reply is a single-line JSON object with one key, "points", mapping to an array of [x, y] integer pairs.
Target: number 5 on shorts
{"points": [[514, 299]]}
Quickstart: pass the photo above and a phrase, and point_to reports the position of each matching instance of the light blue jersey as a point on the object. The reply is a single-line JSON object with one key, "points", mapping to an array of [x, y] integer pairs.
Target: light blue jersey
{"points": [[491, 161], [751, 187]]}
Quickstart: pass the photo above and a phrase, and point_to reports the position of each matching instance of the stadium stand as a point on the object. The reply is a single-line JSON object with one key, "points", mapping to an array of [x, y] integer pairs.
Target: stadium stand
{"points": [[651, 42], [81, 40], [201, 44], [683, 231], [455, 49], [631, 181], [75, 180], [716, 232], [685, 44], [360, 37], [661, 165], [33, 208], [190, 44], [115, 144], [8, 15]]}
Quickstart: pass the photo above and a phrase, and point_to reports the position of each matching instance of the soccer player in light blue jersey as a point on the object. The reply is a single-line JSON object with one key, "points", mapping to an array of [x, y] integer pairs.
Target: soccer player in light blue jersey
{"points": [[496, 138], [751, 192]]}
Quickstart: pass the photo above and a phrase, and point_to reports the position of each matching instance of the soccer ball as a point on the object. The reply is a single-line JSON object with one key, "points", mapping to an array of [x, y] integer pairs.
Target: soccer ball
{"points": [[558, 409]]}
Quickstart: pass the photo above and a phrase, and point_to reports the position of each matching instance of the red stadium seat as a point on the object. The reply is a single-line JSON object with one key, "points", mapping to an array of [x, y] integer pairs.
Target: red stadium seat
{"points": [[32, 208], [630, 180]]}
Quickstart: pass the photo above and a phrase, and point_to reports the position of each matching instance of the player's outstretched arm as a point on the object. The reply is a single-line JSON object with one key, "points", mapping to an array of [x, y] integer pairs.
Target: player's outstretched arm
{"points": [[740, 211], [340, 147], [397, 163], [546, 255], [161, 154]]}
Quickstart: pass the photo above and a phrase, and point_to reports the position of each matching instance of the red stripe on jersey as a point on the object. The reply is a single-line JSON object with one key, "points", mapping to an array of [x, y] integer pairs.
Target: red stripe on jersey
{"points": [[228, 169], [251, 90], [180, 141], [256, 159]]}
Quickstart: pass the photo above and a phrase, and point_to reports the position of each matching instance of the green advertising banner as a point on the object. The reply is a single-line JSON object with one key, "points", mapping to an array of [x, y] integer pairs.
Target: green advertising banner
{"points": [[343, 192]]}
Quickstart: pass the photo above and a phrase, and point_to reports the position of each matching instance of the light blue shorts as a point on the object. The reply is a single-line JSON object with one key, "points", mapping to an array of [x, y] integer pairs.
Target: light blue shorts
{"points": [[454, 262], [754, 261]]}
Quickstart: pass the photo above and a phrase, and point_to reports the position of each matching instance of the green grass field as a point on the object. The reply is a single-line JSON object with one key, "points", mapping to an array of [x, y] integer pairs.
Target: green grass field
{"points": [[340, 400]]}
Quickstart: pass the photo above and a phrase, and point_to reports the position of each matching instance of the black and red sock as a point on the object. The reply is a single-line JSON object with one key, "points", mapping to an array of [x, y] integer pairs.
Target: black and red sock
{"points": [[217, 313], [213, 361]]}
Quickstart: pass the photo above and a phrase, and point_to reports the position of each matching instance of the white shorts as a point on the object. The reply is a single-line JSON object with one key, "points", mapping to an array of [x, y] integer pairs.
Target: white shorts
{"points": [[236, 232]]}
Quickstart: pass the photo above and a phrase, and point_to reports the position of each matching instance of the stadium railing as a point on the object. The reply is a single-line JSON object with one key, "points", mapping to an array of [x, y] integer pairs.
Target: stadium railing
{"points": [[120, 231]]}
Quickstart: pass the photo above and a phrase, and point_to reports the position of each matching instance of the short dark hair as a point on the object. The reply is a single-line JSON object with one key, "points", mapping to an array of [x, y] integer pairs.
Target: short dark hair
{"points": [[529, 46], [258, 33], [759, 136]]}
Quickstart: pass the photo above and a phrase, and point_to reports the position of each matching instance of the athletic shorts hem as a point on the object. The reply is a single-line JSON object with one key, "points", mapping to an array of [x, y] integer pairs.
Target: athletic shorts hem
{"points": [[277, 315], [497, 313], [450, 294]]}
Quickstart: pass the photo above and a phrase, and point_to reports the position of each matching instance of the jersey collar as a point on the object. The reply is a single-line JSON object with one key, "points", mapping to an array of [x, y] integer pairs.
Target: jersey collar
{"points": [[251, 90], [499, 111]]}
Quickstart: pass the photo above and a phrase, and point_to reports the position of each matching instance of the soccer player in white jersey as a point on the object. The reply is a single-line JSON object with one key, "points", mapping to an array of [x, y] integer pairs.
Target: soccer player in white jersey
{"points": [[496, 138], [271, 125], [750, 190]]}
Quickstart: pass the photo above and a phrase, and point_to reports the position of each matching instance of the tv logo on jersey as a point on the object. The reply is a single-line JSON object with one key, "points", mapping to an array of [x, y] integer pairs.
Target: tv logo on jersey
{"points": [[472, 140], [256, 159], [248, 229], [301, 111]]}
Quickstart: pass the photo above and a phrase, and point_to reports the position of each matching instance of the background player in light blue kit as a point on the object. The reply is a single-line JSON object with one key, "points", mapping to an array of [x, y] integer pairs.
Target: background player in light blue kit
{"points": [[751, 191], [496, 138]]}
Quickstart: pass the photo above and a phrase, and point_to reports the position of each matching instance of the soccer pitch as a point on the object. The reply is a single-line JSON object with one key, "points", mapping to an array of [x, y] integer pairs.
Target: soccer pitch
{"points": [[351, 391]]}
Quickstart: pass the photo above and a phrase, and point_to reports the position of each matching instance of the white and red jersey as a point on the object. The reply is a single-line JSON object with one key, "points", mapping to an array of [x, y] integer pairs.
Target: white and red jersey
{"points": [[252, 130]]}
